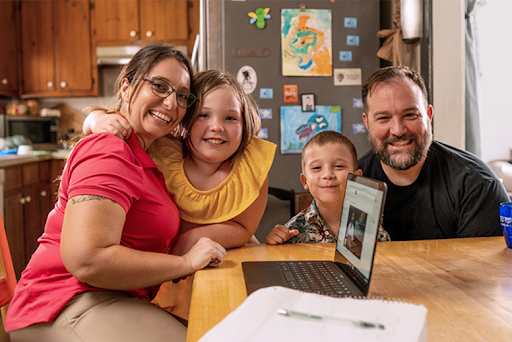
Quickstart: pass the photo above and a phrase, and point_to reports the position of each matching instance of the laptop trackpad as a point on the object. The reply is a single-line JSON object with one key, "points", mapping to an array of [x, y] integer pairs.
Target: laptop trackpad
{"points": [[262, 274]]}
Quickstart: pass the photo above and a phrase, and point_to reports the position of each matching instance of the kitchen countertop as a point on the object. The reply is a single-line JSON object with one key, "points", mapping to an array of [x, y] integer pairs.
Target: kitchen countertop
{"points": [[14, 159]]}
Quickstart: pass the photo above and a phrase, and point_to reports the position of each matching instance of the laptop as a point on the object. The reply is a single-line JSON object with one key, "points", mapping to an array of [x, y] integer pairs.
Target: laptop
{"points": [[349, 273]]}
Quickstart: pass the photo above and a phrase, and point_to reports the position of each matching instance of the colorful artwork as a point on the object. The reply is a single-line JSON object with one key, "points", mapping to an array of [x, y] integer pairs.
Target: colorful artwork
{"points": [[357, 102], [259, 17], [266, 93], [353, 40], [297, 127], [306, 42], [350, 22], [265, 113], [290, 92], [247, 78], [346, 56], [263, 133], [358, 128]]}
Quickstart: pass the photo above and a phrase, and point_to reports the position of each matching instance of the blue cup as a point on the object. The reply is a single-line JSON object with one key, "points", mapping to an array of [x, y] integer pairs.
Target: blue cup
{"points": [[506, 222]]}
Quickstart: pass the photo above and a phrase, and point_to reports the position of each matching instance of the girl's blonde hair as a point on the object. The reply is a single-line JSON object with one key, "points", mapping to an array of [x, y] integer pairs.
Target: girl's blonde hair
{"points": [[203, 84]]}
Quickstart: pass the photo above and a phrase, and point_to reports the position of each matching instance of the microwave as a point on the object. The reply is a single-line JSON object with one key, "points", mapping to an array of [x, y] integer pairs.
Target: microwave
{"points": [[41, 131]]}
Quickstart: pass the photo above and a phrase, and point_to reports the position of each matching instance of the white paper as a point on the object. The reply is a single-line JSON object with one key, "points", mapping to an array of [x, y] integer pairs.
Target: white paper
{"points": [[257, 319]]}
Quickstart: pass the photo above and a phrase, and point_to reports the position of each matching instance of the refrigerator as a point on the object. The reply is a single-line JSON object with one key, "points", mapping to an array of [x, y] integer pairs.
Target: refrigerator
{"points": [[252, 37]]}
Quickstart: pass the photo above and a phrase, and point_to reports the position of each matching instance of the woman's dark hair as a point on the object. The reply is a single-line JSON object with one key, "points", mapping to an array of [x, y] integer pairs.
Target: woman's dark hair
{"points": [[140, 65]]}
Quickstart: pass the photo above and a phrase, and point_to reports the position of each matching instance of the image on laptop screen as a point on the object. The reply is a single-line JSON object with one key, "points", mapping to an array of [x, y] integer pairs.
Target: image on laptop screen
{"points": [[359, 223]]}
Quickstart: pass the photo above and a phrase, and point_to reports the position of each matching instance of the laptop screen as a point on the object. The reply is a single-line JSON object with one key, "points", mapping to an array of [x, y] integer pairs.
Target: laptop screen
{"points": [[360, 218]]}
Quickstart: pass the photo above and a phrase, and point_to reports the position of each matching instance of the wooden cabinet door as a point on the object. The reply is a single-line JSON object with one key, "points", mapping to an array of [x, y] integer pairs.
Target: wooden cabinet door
{"points": [[46, 204], [46, 200], [15, 231], [37, 48], [8, 52], [27, 202], [164, 20], [32, 220], [75, 70], [57, 56], [56, 168], [115, 20]]}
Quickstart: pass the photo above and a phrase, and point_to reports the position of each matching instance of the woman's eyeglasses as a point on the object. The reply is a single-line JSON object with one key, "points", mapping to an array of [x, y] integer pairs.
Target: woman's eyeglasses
{"points": [[163, 89]]}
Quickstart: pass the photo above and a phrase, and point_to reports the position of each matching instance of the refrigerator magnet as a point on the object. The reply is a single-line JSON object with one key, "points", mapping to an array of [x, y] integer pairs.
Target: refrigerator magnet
{"points": [[348, 76], [266, 93], [358, 128], [265, 113], [350, 22], [345, 56], [357, 102], [290, 92], [263, 133], [308, 102], [353, 40], [247, 78], [259, 16]]}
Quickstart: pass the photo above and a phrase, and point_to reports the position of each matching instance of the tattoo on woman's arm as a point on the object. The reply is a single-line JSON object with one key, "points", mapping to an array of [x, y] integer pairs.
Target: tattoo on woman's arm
{"points": [[85, 198]]}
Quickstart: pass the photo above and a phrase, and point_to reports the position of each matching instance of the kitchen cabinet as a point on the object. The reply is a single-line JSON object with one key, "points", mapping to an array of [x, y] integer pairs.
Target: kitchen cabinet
{"points": [[9, 51], [28, 199], [56, 52], [127, 22]]}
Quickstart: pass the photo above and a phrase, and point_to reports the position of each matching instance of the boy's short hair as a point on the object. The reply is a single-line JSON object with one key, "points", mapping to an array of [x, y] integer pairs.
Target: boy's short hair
{"points": [[330, 137]]}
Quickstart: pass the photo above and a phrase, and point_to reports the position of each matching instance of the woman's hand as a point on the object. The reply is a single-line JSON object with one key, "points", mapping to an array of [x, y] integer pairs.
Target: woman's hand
{"points": [[98, 122], [205, 252]]}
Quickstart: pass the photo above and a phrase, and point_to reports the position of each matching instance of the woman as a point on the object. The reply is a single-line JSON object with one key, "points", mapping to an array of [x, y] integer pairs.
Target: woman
{"points": [[103, 254]]}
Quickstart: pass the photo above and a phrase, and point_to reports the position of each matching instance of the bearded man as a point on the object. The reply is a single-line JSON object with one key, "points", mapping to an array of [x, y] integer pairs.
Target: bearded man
{"points": [[435, 190]]}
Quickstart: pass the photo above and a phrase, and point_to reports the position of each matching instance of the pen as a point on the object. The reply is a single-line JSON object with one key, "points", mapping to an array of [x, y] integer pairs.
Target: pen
{"points": [[362, 324]]}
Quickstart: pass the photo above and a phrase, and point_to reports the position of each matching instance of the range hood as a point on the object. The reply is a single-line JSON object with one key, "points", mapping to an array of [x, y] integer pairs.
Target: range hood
{"points": [[115, 55], [121, 55]]}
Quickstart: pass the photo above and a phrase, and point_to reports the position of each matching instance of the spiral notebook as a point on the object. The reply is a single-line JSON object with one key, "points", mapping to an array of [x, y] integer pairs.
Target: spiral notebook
{"points": [[349, 273], [312, 317]]}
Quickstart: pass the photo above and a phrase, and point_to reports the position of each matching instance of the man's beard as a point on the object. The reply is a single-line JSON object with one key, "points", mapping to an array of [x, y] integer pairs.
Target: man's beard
{"points": [[413, 155]]}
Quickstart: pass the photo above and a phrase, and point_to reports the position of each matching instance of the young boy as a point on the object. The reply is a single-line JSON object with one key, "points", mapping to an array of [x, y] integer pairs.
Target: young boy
{"points": [[327, 159]]}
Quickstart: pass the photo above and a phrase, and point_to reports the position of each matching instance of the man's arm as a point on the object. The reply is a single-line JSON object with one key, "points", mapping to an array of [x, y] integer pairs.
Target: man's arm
{"points": [[479, 213]]}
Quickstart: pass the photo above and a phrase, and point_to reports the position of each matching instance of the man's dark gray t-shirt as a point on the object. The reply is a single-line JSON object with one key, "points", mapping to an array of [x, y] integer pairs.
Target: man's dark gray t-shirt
{"points": [[456, 195]]}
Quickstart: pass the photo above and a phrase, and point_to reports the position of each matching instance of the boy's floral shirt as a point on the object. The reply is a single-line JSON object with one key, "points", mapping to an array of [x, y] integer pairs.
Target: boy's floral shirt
{"points": [[312, 228]]}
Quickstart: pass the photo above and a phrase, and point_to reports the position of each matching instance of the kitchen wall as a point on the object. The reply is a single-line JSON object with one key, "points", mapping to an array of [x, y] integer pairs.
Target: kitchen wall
{"points": [[494, 47]]}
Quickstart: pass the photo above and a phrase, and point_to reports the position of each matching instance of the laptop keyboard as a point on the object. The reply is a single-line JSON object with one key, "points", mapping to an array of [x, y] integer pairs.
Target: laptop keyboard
{"points": [[315, 277]]}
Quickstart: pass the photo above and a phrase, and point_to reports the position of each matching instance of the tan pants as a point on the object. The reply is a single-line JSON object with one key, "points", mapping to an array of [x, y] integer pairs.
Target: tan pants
{"points": [[105, 316]]}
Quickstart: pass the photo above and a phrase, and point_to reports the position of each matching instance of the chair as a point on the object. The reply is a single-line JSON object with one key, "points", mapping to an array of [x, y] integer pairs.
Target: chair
{"points": [[7, 278], [503, 170], [285, 195]]}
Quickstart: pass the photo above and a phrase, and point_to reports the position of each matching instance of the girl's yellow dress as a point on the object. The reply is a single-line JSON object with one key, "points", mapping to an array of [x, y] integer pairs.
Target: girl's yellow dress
{"points": [[222, 203]]}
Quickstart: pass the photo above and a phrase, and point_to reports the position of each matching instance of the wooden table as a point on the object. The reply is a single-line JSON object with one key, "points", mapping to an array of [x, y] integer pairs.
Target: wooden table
{"points": [[466, 284]]}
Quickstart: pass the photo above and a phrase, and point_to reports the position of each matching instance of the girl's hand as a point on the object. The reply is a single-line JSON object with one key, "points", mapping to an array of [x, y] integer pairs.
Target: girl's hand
{"points": [[205, 252], [98, 121]]}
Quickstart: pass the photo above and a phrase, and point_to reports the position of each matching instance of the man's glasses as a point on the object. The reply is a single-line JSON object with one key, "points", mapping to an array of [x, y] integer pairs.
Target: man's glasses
{"points": [[163, 89]]}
